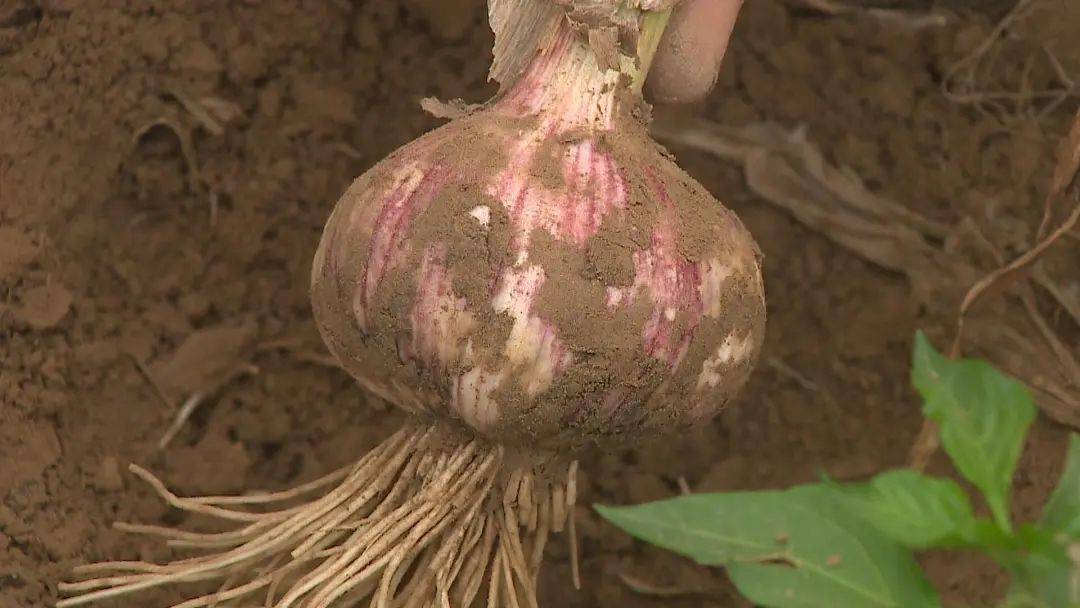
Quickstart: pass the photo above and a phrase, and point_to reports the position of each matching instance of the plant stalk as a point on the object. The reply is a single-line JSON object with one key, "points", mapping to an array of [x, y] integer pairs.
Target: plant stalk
{"points": [[653, 25]]}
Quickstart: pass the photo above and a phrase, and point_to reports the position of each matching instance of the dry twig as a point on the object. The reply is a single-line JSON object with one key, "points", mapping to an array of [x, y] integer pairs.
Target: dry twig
{"points": [[197, 398], [960, 84], [1005, 274], [643, 587], [904, 19], [187, 148], [213, 113], [154, 384], [301, 350], [1066, 173]]}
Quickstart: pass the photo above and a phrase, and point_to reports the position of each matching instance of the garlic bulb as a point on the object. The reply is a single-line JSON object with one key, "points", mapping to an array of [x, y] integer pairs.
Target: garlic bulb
{"points": [[541, 271]]}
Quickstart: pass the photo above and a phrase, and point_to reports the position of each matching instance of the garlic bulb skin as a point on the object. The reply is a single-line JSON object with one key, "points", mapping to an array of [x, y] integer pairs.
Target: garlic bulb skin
{"points": [[542, 272]]}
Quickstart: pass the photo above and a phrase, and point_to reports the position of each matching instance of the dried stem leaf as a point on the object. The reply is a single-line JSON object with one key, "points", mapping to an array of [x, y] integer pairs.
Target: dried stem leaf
{"points": [[522, 29], [613, 28]]}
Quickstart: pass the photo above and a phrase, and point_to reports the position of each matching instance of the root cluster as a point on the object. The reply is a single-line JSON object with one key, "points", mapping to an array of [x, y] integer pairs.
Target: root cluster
{"points": [[413, 524]]}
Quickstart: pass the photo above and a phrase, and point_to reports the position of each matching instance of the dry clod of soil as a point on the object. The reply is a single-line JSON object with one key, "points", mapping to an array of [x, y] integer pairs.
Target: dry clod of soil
{"points": [[16, 250], [44, 306]]}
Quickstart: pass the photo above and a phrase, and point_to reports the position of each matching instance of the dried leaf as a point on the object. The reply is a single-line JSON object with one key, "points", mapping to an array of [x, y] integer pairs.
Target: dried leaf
{"points": [[522, 28]]}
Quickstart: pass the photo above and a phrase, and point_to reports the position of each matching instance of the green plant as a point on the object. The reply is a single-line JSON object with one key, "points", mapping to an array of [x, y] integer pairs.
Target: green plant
{"points": [[852, 544]]}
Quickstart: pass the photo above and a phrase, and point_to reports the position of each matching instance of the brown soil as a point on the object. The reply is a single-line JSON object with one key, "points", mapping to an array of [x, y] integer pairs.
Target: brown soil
{"points": [[165, 172]]}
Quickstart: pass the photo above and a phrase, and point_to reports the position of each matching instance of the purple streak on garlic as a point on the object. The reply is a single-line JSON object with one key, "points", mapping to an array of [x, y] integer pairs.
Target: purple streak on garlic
{"points": [[564, 92], [671, 282], [413, 189], [564, 87], [592, 188], [440, 323]]}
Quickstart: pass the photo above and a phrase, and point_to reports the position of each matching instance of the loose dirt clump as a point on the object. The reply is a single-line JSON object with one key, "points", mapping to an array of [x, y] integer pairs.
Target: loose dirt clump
{"points": [[165, 171]]}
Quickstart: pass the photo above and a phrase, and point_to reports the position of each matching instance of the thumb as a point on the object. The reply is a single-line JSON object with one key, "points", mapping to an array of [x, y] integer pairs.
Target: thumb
{"points": [[688, 58]]}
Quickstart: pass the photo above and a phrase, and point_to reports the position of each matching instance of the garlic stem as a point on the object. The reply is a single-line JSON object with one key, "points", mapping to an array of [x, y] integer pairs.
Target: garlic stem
{"points": [[653, 24]]}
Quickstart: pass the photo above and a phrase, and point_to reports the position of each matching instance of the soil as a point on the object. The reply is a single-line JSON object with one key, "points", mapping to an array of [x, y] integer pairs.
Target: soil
{"points": [[165, 172]]}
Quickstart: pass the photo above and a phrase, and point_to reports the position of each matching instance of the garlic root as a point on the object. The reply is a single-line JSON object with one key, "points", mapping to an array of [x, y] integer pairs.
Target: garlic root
{"points": [[418, 521]]}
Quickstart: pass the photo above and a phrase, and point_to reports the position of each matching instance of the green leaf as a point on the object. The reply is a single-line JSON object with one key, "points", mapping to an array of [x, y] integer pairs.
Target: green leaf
{"points": [[1062, 511], [1043, 575], [796, 547], [982, 416], [913, 510], [990, 537]]}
